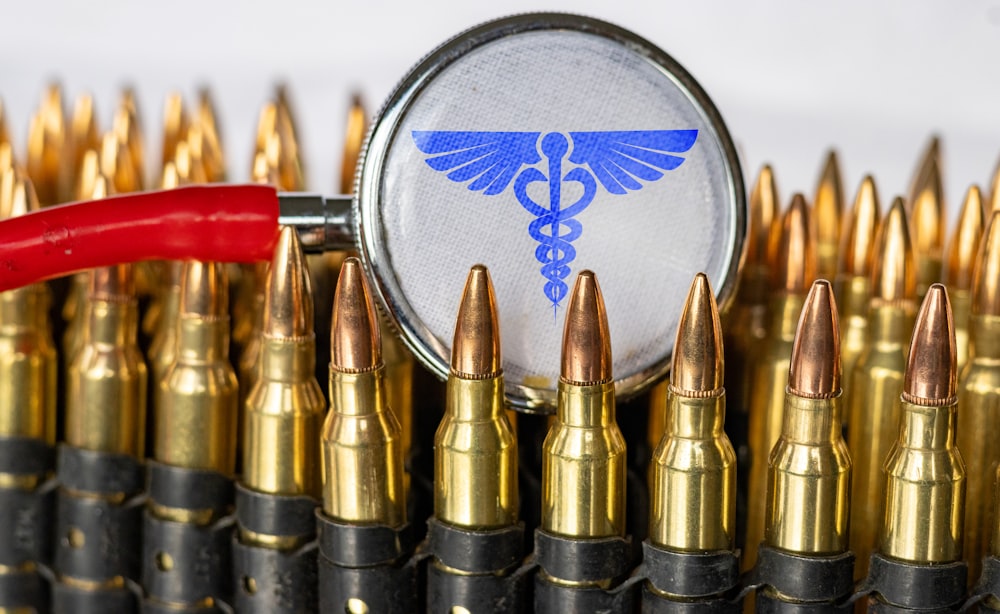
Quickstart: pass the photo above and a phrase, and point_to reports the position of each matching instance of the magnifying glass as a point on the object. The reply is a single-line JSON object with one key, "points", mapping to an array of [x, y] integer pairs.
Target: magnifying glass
{"points": [[539, 145]]}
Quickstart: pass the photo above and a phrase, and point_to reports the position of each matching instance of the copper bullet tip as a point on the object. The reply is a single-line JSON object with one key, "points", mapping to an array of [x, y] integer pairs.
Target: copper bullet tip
{"points": [[288, 305], [986, 275], [355, 341], [964, 244], [931, 157], [204, 290], [930, 377], [828, 204], [995, 190], [114, 284], [697, 368], [475, 352], [586, 345], [894, 276], [6, 156], [795, 267], [814, 370], [764, 212], [17, 195], [857, 248]]}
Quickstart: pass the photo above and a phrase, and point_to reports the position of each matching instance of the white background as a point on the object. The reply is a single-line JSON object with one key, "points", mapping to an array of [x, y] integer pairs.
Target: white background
{"points": [[873, 79]]}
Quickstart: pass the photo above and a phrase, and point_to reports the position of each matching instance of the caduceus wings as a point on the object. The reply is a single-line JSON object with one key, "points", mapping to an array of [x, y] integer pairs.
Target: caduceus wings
{"points": [[620, 159], [492, 159]]}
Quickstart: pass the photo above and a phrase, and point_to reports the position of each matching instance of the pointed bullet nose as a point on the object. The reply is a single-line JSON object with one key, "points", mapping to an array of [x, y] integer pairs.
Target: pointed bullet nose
{"points": [[857, 248], [355, 341], [814, 371], [894, 276], [986, 275], [796, 256], [926, 212], [930, 377], [17, 194], [827, 214], [475, 352], [964, 244], [930, 157], [586, 346], [204, 289], [698, 359], [288, 305], [357, 126], [175, 126]]}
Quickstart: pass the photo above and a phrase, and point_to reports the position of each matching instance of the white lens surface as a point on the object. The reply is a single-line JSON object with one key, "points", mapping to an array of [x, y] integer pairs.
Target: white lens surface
{"points": [[542, 133]]}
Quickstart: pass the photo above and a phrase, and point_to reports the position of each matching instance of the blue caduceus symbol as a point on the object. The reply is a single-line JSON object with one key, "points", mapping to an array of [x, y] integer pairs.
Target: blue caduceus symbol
{"points": [[619, 160]]}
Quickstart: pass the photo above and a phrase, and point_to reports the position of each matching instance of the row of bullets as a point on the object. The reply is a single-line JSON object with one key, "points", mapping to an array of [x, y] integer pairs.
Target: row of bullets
{"points": [[100, 523]]}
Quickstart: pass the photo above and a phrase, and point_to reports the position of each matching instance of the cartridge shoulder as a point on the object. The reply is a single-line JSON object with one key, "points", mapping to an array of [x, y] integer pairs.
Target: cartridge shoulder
{"points": [[979, 378], [215, 378], [695, 454], [923, 466], [346, 430], [286, 399], [483, 437], [810, 460]]}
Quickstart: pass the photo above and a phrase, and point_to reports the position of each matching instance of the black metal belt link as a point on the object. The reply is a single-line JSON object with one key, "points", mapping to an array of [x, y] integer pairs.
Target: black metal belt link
{"points": [[568, 560], [475, 570], [268, 580], [188, 567], [695, 582], [367, 568], [26, 542]]}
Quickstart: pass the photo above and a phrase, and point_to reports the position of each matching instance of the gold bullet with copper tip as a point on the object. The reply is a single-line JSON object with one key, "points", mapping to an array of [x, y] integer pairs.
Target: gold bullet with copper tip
{"points": [[290, 167], [46, 147], [357, 126], [196, 399], [4, 132], [809, 473], [794, 271], [873, 390], [924, 473], [205, 139], [362, 455], [979, 398], [827, 212], [175, 127], [91, 185], [693, 500], [475, 452], [960, 259], [83, 136], [285, 409], [853, 284], [994, 203], [926, 214], [583, 470]]}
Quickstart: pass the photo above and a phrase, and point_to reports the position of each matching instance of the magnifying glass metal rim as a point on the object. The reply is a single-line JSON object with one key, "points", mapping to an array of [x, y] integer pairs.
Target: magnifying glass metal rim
{"points": [[371, 165]]}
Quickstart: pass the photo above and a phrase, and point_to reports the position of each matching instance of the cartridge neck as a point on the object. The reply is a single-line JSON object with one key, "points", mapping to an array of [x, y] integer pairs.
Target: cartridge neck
{"points": [[19, 307], [785, 310], [810, 421], [357, 394], [113, 323], [586, 406], [853, 294], [696, 418], [202, 339], [287, 360], [927, 428], [984, 338], [890, 324], [470, 400]]}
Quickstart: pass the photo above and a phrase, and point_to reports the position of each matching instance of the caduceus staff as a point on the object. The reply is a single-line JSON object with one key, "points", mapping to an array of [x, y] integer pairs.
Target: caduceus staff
{"points": [[619, 160]]}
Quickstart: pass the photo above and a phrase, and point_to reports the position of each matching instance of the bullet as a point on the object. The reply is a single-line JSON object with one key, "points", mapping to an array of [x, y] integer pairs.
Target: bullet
{"points": [[27, 353], [127, 126], [979, 398], [118, 165], [4, 132], [827, 213], [205, 139], [362, 455], [195, 402], [795, 268], [931, 156], [994, 203], [290, 167], [475, 451], [84, 135], [357, 127], [175, 127], [877, 379], [852, 286], [252, 293], [46, 145], [924, 473], [746, 323], [285, 409], [27, 423], [583, 470], [960, 259], [926, 214], [809, 472], [6, 161], [91, 185], [693, 500], [107, 378]]}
